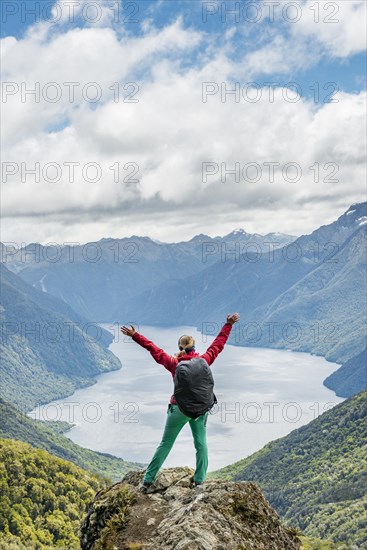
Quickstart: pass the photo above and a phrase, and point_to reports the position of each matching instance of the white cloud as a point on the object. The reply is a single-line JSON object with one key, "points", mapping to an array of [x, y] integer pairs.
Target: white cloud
{"points": [[281, 56], [340, 26], [91, 13], [324, 28], [168, 134], [81, 57]]}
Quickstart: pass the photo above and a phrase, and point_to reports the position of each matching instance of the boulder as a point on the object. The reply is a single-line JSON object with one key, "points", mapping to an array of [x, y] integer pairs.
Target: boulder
{"points": [[219, 515]]}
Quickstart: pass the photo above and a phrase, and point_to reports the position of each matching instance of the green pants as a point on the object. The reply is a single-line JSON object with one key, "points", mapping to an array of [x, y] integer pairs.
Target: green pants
{"points": [[175, 421]]}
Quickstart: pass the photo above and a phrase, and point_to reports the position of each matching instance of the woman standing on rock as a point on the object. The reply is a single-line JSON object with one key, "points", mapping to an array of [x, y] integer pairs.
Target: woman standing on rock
{"points": [[176, 419]]}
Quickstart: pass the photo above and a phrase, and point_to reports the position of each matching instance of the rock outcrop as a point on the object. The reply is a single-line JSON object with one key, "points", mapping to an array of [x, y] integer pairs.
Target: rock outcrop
{"points": [[219, 515]]}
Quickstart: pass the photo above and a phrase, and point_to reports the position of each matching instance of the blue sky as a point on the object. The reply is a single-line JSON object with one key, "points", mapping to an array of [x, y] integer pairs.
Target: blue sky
{"points": [[348, 74], [169, 52]]}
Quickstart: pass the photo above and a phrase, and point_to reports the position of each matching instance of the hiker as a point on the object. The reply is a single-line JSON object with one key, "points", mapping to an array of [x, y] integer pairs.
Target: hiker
{"points": [[176, 419]]}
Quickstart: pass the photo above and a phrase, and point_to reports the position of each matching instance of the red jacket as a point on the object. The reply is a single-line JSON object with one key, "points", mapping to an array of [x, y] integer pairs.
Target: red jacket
{"points": [[170, 362]]}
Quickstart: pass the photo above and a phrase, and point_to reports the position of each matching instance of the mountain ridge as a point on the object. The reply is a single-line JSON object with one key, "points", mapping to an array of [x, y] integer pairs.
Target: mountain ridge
{"points": [[45, 354]]}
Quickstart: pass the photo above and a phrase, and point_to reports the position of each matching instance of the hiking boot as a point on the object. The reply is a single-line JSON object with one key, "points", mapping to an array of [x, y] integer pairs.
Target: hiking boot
{"points": [[144, 486], [195, 483]]}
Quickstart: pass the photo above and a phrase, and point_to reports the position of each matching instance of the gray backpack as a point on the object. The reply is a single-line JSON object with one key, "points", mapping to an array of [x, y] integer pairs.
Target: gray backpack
{"points": [[193, 387]]}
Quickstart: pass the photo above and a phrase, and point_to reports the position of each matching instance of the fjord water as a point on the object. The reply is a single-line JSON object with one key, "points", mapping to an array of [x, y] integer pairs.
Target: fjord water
{"points": [[263, 394]]}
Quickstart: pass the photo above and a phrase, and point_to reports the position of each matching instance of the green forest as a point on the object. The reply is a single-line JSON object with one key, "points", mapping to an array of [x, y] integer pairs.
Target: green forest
{"points": [[43, 498], [316, 476]]}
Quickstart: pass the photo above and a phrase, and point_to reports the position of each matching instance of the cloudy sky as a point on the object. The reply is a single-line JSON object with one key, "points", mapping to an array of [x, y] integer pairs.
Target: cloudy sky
{"points": [[132, 128]]}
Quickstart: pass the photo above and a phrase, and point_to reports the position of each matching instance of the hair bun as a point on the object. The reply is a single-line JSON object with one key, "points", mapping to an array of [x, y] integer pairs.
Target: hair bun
{"points": [[186, 342]]}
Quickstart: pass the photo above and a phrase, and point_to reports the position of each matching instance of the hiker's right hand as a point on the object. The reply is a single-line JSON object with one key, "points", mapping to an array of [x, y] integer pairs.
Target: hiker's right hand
{"points": [[128, 331], [232, 319]]}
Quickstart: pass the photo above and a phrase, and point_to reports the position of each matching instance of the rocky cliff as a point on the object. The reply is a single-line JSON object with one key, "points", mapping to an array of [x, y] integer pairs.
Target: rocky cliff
{"points": [[220, 515]]}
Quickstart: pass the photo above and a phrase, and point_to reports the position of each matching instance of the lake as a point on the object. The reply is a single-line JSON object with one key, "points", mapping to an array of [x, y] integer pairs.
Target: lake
{"points": [[263, 394]]}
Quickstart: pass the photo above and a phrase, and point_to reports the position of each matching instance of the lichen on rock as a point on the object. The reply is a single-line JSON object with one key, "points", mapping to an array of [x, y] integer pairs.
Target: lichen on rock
{"points": [[219, 515]]}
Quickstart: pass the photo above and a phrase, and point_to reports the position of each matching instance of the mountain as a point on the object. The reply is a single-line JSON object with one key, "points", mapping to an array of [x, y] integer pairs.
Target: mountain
{"points": [[48, 436], [97, 278], [327, 305], [307, 296], [42, 498], [223, 515], [351, 378], [315, 477], [247, 280], [47, 350]]}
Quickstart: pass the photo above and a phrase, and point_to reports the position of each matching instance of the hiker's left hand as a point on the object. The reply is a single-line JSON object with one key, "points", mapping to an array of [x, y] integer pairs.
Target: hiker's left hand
{"points": [[128, 331], [232, 319]]}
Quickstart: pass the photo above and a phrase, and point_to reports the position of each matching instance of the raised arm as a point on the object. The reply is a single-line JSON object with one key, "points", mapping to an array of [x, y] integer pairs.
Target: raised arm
{"points": [[218, 344], [158, 354]]}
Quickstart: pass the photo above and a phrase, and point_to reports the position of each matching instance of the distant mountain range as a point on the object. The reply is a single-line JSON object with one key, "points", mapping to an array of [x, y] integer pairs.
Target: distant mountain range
{"points": [[96, 279], [255, 284], [47, 350], [315, 477], [305, 294]]}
